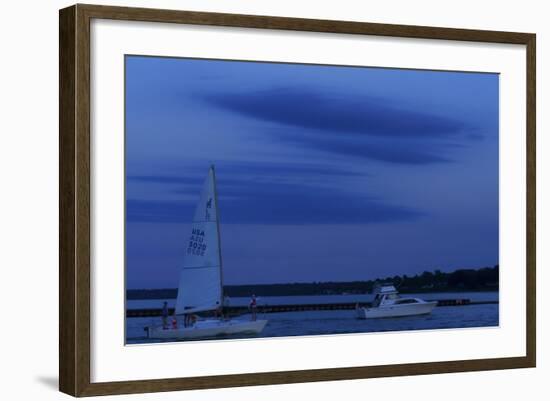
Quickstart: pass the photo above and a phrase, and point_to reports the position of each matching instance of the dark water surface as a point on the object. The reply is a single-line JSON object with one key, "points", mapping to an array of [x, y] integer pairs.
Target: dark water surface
{"points": [[344, 321]]}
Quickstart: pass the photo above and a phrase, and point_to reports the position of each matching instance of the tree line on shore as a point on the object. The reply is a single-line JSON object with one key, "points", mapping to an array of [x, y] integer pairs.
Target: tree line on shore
{"points": [[482, 279]]}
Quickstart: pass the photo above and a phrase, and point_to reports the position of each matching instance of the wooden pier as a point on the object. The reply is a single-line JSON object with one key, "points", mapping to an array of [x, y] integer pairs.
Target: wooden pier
{"points": [[239, 310]]}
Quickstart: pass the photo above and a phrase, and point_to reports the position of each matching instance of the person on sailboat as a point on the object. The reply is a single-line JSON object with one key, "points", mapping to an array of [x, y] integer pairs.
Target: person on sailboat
{"points": [[253, 306], [165, 315]]}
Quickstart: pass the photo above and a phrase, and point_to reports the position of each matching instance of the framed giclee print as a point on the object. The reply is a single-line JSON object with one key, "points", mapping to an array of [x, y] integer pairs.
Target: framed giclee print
{"points": [[251, 200]]}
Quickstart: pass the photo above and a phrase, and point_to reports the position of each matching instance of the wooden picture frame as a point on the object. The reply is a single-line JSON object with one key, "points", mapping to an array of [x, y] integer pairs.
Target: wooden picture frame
{"points": [[74, 200]]}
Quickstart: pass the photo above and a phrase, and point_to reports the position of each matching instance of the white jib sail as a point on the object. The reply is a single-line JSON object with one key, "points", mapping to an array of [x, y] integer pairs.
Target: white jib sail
{"points": [[200, 286]]}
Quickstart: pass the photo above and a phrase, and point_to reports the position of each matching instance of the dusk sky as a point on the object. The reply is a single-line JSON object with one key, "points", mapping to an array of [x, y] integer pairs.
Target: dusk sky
{"points": [[324, 173]]}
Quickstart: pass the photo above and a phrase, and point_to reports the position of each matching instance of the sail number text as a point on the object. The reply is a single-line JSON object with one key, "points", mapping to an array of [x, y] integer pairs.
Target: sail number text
{"points": [[197, 243]]}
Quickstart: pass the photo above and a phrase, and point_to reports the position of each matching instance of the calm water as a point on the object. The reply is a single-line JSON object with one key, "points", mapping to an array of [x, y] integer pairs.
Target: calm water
{"points": [[341, 321]]}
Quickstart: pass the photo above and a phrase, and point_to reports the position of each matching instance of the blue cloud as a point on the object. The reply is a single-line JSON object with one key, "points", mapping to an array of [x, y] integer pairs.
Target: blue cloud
{"points": [[263, 169], [165, 179], [336, 112], [351, 125], [407, 152], [247, 202], [287, 168]]}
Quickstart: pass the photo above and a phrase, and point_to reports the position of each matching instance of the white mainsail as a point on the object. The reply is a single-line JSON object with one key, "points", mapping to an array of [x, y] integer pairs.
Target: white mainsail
{"points": [[200, 286]]}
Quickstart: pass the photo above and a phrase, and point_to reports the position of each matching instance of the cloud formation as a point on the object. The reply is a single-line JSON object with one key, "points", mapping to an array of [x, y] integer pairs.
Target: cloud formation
{"points": [[411, 152], [335, 112], [347, 124], [245, 200]]}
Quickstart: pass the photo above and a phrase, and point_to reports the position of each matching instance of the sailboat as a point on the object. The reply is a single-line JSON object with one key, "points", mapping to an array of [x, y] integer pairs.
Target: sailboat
{"points": [[201, 279]]}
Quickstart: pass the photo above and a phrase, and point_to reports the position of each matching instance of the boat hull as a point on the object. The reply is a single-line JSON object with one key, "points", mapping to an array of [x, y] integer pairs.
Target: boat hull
{"points": [[208, 329], [423, 308]]}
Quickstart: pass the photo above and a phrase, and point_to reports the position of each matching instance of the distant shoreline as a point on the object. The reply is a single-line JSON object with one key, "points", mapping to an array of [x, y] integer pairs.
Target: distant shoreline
{"points": [[484, 279], [171, 293]]}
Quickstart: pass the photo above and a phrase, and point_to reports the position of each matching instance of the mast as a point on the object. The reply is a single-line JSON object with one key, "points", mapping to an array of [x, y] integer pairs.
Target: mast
{"points": [[218, 233]]}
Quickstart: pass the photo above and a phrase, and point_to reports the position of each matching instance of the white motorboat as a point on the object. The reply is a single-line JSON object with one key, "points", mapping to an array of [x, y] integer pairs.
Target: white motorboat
{"points": [[388, 303], [201, 282]]}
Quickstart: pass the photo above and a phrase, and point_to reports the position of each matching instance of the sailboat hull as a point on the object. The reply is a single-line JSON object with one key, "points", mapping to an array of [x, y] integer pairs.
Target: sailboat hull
{"points": [[208, 329]]}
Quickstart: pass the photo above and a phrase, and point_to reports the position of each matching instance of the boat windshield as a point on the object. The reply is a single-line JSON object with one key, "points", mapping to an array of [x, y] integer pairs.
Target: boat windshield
{"points": [[406, 301]]}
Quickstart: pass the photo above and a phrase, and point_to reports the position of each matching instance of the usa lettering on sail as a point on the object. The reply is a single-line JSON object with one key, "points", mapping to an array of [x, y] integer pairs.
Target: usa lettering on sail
{"points": [[197, 243]]}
